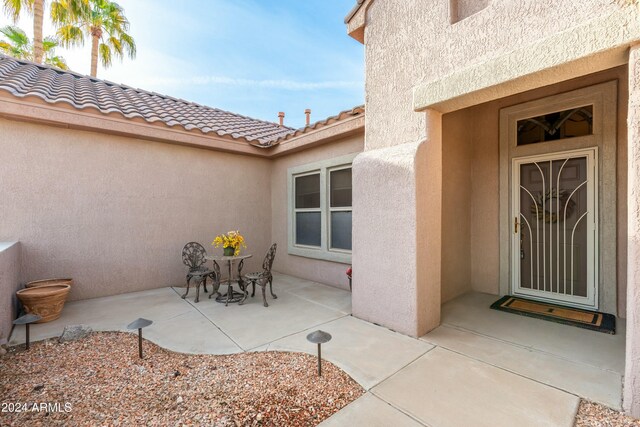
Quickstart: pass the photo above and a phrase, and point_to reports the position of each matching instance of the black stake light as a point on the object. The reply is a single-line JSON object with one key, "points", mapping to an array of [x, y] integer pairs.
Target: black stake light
{"points": [[139, 324], [27, 320], [319, 337]]}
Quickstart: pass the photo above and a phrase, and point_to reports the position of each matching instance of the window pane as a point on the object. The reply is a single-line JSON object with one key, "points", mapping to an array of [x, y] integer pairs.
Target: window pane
{"points": [[558, 125], [341, 188], [341, 230], [308, 228], [308, 191]]}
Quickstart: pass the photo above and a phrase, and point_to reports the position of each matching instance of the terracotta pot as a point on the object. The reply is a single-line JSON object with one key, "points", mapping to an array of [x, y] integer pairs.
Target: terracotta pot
{"points": [[46, 300], [44, 282]]}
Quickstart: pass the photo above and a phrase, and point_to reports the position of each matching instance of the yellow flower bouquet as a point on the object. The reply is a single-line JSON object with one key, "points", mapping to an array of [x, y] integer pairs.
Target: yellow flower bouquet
{"points": [[230, 242]]}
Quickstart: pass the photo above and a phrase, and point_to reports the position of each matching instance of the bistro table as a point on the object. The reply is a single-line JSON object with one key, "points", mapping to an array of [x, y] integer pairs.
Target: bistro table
{"points": [[231, 295]]}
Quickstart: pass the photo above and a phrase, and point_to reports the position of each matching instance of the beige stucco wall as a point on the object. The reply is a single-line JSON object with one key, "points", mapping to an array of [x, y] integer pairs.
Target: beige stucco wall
{"points": [[114, 212], [404, 37], [417, 60], [457, 186], [9, 284], [327, 272], [472, 136]]}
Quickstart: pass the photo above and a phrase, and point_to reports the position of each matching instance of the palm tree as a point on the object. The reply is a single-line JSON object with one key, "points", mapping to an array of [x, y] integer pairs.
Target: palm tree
{"points": [[35, 7], [102, 20], [19, 46]]}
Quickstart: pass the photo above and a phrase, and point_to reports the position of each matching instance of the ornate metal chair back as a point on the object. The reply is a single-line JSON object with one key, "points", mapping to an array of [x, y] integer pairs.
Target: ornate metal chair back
{"points": [[193, 255], [268, 259], [216, 271]]}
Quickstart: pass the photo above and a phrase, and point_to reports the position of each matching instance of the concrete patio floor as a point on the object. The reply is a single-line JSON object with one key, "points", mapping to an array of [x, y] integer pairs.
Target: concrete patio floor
{"points": [[490, 368], [481, 367]]}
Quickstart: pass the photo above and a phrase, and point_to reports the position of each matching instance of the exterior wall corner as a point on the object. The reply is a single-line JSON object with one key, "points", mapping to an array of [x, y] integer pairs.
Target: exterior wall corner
{"points": [[631, 394], [396, 278]]}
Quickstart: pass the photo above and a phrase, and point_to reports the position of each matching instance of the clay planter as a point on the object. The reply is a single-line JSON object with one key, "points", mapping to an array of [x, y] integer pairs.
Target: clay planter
{"points": [[37, 283], [45, 300]]}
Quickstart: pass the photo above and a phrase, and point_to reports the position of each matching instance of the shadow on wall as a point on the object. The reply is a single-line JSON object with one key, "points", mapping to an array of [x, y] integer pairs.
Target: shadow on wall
{"points": [[9, 284], [461, 9]]}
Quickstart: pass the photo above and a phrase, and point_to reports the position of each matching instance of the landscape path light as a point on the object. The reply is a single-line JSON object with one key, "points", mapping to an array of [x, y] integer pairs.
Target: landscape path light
{"points": [[139, 324], [27, 320], [319, 337]]}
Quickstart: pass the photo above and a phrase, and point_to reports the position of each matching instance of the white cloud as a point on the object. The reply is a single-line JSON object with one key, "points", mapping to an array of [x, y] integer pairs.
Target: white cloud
{"points": [[291, 85]]}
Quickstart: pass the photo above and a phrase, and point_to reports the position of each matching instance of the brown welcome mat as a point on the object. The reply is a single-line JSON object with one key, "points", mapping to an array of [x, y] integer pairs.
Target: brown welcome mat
{"points": [[594, 320]]}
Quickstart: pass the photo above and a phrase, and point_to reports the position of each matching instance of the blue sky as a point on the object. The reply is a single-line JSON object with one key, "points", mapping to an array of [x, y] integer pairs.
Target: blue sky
{"points": [[250, 57]]}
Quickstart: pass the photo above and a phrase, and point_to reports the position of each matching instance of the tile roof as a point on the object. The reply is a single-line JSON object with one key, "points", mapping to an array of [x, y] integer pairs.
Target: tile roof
{"points": [[343, 115], [22, 79]]}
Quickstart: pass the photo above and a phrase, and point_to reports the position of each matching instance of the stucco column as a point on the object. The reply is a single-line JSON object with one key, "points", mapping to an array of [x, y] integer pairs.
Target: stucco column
{"points": [[631, 396], [396, 233]]}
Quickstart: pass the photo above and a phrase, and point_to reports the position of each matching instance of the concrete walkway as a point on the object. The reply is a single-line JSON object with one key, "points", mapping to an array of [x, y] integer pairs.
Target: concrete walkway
{"points": [[457, 375]]}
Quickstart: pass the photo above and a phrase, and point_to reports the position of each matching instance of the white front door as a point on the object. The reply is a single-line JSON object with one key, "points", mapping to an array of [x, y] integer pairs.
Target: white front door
{"points": [[554, 227]]}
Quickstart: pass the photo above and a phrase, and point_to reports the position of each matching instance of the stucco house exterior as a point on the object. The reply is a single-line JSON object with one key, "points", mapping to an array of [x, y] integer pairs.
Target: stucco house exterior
{"points": [[498, 154], [490, 124]]}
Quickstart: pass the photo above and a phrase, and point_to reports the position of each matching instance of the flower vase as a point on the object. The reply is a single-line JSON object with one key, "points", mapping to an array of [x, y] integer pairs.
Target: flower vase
{"points": [[228, 251]]}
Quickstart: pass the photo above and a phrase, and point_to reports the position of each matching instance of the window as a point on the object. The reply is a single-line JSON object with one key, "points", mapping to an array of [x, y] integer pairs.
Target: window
{"points": [[308, 213], [320, 199]]}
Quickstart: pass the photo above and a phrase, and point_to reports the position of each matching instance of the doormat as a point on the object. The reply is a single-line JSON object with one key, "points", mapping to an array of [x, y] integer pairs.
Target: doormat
{"points": [[594, 320]]}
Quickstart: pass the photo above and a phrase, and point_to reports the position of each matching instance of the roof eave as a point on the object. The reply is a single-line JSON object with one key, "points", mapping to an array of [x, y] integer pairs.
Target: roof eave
{"points": [[356, 20], [326, 134], [40, 112]]}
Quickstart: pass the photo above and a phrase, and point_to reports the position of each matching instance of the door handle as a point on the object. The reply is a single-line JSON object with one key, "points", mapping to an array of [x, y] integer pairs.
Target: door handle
{"points": [[515, 225]]}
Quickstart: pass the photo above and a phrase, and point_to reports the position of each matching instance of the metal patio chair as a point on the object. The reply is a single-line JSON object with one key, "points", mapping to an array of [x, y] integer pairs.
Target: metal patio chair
{"points": [[193, 255], [261, 278]]}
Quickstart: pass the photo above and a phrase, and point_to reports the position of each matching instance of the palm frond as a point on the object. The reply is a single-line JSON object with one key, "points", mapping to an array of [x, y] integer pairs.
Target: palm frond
{"points": [[49, 43], [60, 12], [129, 45], [105, 55], [15, 35], [68, 11], [13, 8], [56, 61], [5, 47], [70, 35], [17, 44], [115, 44]]}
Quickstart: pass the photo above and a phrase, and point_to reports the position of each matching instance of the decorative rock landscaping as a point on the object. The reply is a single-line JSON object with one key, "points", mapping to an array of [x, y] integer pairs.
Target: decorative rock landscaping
{"points": [[594, 415], [99, 380], [74, 332]]}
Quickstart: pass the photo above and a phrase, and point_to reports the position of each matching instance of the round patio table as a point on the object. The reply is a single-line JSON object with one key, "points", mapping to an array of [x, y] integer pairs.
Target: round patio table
{"points": [[231, 296]]}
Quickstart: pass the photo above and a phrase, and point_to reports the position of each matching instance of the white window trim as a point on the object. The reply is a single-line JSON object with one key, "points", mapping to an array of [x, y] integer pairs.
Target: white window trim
{"points": [[323, 252]]}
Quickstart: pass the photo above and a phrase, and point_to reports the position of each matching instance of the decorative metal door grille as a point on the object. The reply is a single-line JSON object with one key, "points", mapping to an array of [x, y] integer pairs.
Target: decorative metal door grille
{"points": [[554, 228]]}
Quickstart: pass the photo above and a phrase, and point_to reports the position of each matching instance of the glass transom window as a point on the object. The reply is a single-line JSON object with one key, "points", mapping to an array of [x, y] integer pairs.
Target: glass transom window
{"points": [[557, 125]]}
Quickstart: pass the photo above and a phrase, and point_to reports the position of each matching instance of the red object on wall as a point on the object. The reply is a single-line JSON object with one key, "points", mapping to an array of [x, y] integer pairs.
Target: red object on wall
{"points": [[349, 271]]}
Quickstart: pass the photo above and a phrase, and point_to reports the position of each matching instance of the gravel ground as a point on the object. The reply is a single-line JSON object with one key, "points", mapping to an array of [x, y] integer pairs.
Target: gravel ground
{"points": [[594, 415], [103, 382]]}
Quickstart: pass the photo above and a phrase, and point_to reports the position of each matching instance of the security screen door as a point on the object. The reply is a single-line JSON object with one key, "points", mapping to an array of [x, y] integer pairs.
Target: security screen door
{"points": [[554, 228]]}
